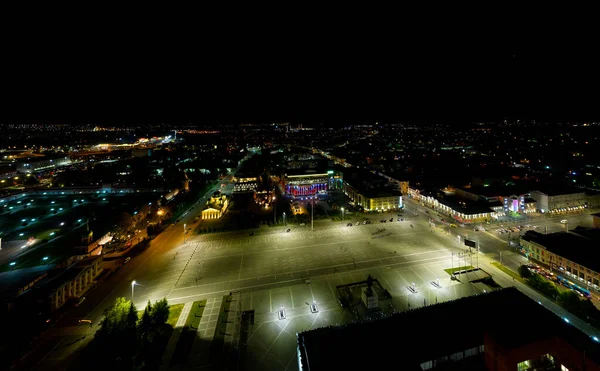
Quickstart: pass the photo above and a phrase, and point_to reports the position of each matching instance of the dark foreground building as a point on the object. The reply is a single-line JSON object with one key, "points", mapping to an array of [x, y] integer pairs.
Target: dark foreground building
{"points": [[501, 330]]}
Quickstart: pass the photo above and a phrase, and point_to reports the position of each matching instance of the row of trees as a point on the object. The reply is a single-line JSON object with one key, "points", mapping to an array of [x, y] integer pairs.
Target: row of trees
{"points": [[569, 299], [127, 342]]}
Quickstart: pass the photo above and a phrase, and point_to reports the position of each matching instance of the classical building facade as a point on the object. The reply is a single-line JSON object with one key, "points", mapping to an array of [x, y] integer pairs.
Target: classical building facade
{"points": [[216, 206], [72, 282]]}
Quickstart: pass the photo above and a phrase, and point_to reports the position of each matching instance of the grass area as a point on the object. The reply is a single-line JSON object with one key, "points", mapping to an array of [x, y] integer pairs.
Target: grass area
{"points": [[514, 275], [174, 313], [450, 271], [190, 329], [193, 319]]}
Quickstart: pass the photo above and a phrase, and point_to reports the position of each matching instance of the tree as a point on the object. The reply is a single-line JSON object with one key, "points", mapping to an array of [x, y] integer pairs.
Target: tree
{"points": [[536, 281], [115, 343], [146, 321], [124, 221], [154, 332], [569, 300], [160, 312], [549, 289], [524, 272]]}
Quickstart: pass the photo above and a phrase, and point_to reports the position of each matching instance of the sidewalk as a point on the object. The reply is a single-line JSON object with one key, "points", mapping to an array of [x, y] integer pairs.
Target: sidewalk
{"points": [[171, 345]]}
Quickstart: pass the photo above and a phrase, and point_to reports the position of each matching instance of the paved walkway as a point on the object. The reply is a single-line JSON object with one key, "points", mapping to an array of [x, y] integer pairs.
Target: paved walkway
{"points": [[200, 354], [168, 354]]}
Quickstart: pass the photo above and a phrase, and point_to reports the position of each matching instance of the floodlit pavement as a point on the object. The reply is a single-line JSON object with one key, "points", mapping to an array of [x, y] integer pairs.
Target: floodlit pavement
{"points": [[271, 267]]}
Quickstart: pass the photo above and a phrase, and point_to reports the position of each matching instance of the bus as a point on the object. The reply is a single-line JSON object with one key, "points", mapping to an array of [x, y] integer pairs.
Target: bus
{"points": [[583, 292], [564, 282], [578, 289]]}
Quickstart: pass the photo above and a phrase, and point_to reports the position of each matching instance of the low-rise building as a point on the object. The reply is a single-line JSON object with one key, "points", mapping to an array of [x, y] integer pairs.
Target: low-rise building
{"points": [[377, 200], [305, 182], [245, 182], [29, 166], [428, 338], [216, 206], [64, 284], [574, 254], [560, 200]]}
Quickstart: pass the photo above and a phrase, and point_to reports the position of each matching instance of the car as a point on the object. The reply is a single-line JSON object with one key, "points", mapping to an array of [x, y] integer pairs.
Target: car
{"points": [[365, 222], [391, 219], [81, 300], [564, 221], [349, 225], [452, 225], [288, 230], [302, 223]]}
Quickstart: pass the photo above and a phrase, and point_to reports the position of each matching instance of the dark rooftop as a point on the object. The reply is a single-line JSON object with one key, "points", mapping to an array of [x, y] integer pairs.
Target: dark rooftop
{"points": [[407, 339], [580, 247], [497, 190], [306, 171], [470, 208], [369, 184], [556, 191]]}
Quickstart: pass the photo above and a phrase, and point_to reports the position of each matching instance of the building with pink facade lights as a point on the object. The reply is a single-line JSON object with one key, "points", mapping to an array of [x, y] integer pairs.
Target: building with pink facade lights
{"points": [[306, 182]]}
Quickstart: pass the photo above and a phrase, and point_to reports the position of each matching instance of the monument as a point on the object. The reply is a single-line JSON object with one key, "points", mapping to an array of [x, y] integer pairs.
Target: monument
{"points": [[369, 297]]}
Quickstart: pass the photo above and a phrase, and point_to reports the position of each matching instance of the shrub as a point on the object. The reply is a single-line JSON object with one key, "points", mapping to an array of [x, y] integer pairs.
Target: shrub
{"points": [[524, 272]]}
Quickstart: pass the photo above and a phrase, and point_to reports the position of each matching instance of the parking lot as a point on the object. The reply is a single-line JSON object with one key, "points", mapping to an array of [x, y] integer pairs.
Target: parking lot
{"points": [[34, 219], [271, 269]]}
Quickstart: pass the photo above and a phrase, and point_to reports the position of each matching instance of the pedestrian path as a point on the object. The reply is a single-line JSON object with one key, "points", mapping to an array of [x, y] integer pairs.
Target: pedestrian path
{"points": [[168, 354], [200, 354]]}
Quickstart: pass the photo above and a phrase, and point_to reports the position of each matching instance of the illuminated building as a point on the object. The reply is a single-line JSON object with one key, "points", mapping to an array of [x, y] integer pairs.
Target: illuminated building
{"points": [[34, 165], [305, 182], [557, 201], [374, 199], [245, 183], [573, 254], [216, 207]]}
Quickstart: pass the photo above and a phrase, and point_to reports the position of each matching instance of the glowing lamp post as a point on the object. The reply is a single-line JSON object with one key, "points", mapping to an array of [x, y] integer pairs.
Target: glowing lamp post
{"points": [[133, 283]]}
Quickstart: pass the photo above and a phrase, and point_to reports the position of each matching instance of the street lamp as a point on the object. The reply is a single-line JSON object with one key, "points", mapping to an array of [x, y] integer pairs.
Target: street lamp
{"points": [[133, 283], [342, 213], [284, 219]]}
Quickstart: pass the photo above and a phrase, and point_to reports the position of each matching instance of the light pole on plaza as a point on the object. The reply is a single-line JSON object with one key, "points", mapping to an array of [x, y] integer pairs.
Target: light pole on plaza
{"points": [[342, 213], [312, 224], [284, 219], [133, 283]]}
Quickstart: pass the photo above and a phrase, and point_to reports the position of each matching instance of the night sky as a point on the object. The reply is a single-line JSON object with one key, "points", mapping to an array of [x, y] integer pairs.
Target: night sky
{"points": [[340, 75]]}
